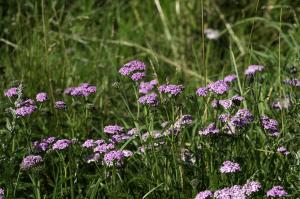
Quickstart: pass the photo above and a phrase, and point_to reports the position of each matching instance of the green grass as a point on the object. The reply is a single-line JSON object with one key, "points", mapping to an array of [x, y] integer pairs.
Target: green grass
{"points": [[50, 45]]}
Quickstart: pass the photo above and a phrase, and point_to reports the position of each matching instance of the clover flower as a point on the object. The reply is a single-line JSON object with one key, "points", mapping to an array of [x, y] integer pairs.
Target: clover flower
{"points": [[113, 129], [61, 144], [252, 69], [204, 194], [60, 105], [251, 187], [41, 97], [283, 151], [230, 167], [149, 99], [31, 161], [146, 87], [211, 129], [11, 92], [132, 66], [230, 78], [202, 91], [219, 87], [242, 118], [170, 89], [276, 192]]}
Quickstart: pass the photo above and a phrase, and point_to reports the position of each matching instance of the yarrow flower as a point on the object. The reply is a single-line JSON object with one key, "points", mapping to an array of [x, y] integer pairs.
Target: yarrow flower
{"points": [[276, 192], [115, 157], [202, 91], [224, 117], [170, 89], [230, 78], [149, 99], [251, 187], [242, 118], [103, 148], [226, 104], [25, 110], [270, 125], [60, 105], [230, 167], [132, 66], [83, 89], [44, 144], [11, 92], [283, 151], [41, 97], [211, 129], [146, 87], [89, 143], [252, 69], [204, 194], [113, 129], [234, 192], [61, 144], [138, 76], [218, 87], [31, 161]]}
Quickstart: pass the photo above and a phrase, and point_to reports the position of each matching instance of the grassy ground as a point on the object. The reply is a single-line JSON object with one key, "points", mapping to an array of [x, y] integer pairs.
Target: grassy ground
{"points": [[51, 45]]}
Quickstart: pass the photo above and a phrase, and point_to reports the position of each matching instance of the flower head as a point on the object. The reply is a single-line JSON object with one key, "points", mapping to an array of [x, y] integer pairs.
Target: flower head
{"points": [[202, 91], [41, 97], [61, 144], [25, 110], [131, 67], [230, 167], [1, 193], [252, 69], [204, 194], [251, 187], [137, 76], [11, 92], [218, 87], [44, 144], [283, 151], [234, 192], [89, 143], [31, 161], [242, 118], [211, 129], [270, 125], [170, 89], [113, 129], [149, 99], [276, 192], [226, 104], [60, 105], [230, 78], [83, 89], [146, 87]]}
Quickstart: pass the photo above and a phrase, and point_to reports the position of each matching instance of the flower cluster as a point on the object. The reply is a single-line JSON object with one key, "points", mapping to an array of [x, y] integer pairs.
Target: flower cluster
{"points": [[44, 144], [60, 105], [1, 193], [230, 167], [204, 194], [253, 69], [211, 129], [113, 129], [41, 97], [276, 192], [61, 144], [219, 87], [83, 89], [230, 78], [270, 125], [149, 99], [31, 161], [146, 87], [135, 69], [26, 108], [115, 157], [171, 89], [283, 151], [11, 92], [242, 118]]}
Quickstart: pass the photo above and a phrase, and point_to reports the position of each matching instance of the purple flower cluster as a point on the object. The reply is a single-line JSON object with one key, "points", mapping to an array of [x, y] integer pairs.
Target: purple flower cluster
{"points": [[211, 129], [83, 89], [60, 105], [104, 147], [252, 69], [44, 144], [26, 108], [230, 78], [1, 193], [61, 144], [242, 118], [90, 143], [234, 192], [113, 129], [31, 161], [149, 99], [292, 82], [283, 151], [270, 125], [11, 92], [228, 103], [202, 91], [41, 97], [135, 69], [219, 87], [230, 167], [170, 89], [146, 87], [115, 157], [204, 194], [276, 192]]}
